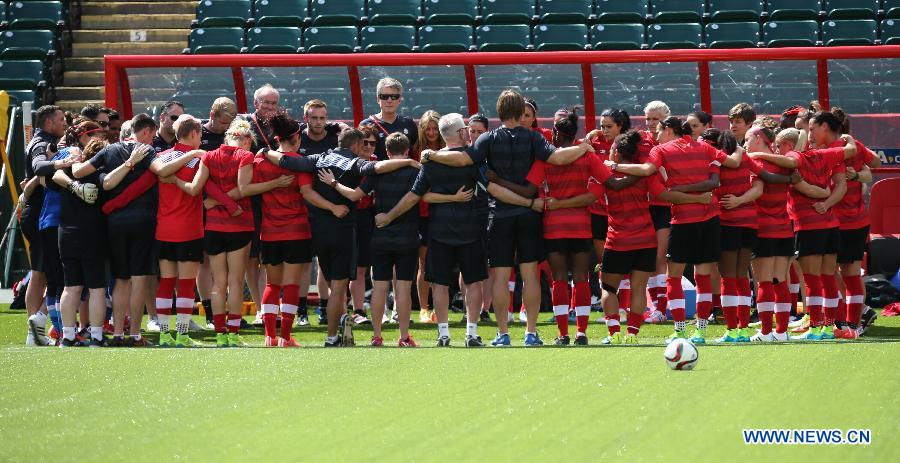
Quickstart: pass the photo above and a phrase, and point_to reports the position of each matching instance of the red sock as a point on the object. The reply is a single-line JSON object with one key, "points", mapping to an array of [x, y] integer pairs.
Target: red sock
{"points": [[814, 299], [675, 296], [704, 296], [662, 301], [730, 302], [856, 297], [289, 302], [634, 323], [287, 322], [164, 294], [842, 307], [234, 323], [624, 294], [612, 324], [270, 297], [219, 322], [717, 300], [743, 286], [581, 294], [560, 299], [829, 298], [794, 287], [782, 307], [765, 303]]}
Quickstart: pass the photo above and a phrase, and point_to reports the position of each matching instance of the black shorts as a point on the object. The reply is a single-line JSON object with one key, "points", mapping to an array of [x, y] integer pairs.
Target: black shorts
{"points": [[133, 250], [442, 258], [695, 243], [853, 245], [661, 216], [336, 250], [737, 238], [625, 262], [285, 252], [569, 245], [515, 239], [185, 251], [423, 231], [87, 272], [217, 242], [28, 223], [773, 247], [365, 228], [599, 226], [817, 242], [49, 244], [384, 263]]}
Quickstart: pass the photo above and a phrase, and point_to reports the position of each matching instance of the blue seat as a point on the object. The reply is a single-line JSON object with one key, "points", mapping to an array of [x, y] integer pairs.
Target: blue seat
{"points": [[616, 11], [223, 13], [732, 35], [735, 10], [617, 36], [442, 38], [892, 9], [791, 33], [674, 35], [890, 32], [503, 37], [35, 15], [274, 40], [337, 12], [394, 12], [285, 13], [387, 39], [552, 37], [22, 75], [338, 39], [851, 9]]}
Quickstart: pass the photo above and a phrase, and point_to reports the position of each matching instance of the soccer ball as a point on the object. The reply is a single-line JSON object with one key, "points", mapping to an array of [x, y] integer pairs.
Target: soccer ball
{"points": [[681, 354]]}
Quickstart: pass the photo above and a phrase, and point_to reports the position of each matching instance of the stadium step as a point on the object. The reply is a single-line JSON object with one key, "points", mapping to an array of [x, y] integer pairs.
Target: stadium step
{"points": [[80, 93], [82, 78], [138, 21], [119, 35], [84, 64], [138, 7], [128, 48], [76, 105]]}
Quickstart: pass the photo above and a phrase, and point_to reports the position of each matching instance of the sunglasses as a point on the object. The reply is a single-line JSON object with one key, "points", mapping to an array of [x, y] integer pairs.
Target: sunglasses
{"points": [[369, 142], [173, 117], [385, 97]]}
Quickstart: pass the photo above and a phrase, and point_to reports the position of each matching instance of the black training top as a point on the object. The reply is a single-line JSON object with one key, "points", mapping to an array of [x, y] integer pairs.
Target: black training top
{"points": [[402, 124], [37, 162], [309, 146], [143, 208], [510, 154], [452, 223], [160, 145], [210, 140], [403, 233]]}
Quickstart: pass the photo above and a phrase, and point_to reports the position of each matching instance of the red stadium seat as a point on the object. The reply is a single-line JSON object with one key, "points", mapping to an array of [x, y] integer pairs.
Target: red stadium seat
{"points": [[884, 207]]}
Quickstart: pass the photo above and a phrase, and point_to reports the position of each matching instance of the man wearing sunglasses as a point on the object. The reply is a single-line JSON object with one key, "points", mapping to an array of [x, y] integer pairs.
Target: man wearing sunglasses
{"points": [[389, 92], [115, 124], [165, 136]]}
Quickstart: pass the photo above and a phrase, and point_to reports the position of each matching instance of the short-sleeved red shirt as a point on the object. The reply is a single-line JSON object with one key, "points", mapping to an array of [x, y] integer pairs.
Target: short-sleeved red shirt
{"points": [[736, 182], [223, 164], [648, 141], [687, 161], [773, 218], [630, 225], [179, 217], [284, 214], [816, 166], [851, 210], [565, 182], [601, 149]]}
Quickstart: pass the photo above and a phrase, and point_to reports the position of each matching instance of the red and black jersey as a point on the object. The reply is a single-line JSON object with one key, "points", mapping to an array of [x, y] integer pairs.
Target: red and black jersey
{"points": [[565, 182], [223, 164], [772, 215], [851, 210], [179, 217], [816, 167], [630, 225], [284, 214], [686, 162], [601, 149], [736, 182]]}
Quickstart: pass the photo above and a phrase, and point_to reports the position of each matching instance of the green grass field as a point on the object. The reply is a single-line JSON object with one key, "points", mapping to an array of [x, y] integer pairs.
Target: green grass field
{"points": [[365, 404]]}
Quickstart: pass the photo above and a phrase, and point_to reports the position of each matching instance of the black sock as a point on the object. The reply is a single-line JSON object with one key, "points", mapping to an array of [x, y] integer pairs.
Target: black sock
{"points": [[323, 304], [207, 310], [301, 308]]}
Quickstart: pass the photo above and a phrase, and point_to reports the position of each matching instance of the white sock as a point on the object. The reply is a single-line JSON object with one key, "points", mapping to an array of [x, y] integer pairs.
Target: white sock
{"points": [[331, 339], [472, 329], [528, 332], [97, 332], [69, 332], [679, 326], [444, 329], [702, 323], [182, 322]]}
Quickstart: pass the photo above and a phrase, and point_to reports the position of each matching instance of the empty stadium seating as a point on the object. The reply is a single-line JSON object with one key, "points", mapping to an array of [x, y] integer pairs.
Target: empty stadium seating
{"points": [[274, 40]]}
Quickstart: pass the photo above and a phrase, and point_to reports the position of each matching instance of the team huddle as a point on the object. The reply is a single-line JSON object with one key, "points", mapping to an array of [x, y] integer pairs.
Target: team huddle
{"points": [[422, 208]]}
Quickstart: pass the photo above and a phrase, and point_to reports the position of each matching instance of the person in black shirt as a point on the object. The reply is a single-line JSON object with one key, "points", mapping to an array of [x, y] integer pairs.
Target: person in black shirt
{"points": [[333, 217], [389, 120], [212, 132], [395, 247], [165, 136], [317, 134], [50, 123], [265, 103], [515, 233], [456, 230]]}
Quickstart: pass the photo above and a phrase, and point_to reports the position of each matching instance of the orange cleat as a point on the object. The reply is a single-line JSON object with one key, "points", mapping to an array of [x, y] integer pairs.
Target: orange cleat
{"points": [[272, 341], [408, 342], [289, 342]]}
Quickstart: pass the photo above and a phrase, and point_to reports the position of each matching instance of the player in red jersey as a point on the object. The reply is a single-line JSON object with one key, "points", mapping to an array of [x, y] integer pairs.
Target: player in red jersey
{"points": [[854, 226], [815, 224], [631, 244], [567, 225], [179, 229], [691, 167], [529, 120], [660, 212], [700, 122], [775, 242]]}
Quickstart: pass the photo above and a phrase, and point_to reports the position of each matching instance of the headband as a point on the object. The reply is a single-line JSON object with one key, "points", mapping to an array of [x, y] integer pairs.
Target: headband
{"points": [[277, 138]]}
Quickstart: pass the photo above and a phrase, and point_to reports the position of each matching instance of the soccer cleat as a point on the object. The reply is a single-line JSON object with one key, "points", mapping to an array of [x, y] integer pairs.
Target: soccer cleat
{"points": [[302, 320], [345, 331], [37, 324], [760, 337], [729, 336], [194, 326], [321, 312], [271, 341], [851, 333], [64, 343], [152, 326], [376, 341], [561, 341], [676, 335], [426, 316], [869, 316], [698, 336], [631, 339], [523, 317], [533, 340], [360, 318], [143, 342], [799, 325], [102, 342], [116, 341], [827, 332], [485, 316], [221, 340], [54, 335], [166, 340], [581, 339], [743, 335], [408, 342], [814, 333], [780, 337], [336, 342], [258, 319], [289, 342], [184, 340], [235, 340], [615, 338], [654, 316], [443, 341], [501, 340], [474, 341]]}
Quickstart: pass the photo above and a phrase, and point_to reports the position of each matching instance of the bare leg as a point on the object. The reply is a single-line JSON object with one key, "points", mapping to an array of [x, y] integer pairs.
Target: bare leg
{"points": [[34, 294], [137, 299], [336, 304], [358, 290], [531, 294], [501, 298]]}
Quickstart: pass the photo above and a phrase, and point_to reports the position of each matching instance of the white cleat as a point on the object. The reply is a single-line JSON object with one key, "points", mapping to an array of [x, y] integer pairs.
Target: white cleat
{"points": [[523, 317], [194, 326], [781, 337], [258, 320], [37, 325], [153, 326], [759, 337]]}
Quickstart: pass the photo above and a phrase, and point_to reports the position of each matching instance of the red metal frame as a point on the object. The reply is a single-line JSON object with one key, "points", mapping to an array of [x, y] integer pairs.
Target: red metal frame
{"points": [[117, 83]]}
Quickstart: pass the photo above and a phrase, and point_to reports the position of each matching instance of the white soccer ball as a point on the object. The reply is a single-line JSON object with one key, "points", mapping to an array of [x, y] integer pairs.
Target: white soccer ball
{"points": [[681, 354]]}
